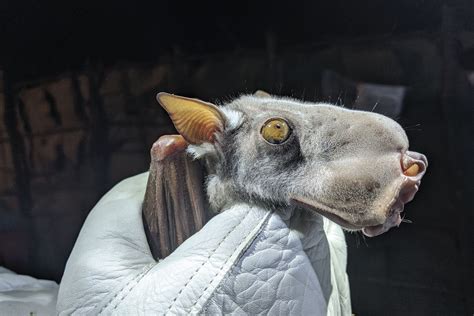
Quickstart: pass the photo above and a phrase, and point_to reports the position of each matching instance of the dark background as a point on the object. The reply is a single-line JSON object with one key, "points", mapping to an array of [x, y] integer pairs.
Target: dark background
{"points": [[77, 114]]}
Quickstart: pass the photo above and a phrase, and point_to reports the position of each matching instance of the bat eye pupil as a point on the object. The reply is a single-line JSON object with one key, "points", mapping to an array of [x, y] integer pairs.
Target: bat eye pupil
{"points": [[275, 131]]}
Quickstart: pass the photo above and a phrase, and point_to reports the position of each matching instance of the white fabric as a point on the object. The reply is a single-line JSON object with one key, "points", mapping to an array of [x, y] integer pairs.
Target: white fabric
{"points": [[24, 295], [246, 260]]}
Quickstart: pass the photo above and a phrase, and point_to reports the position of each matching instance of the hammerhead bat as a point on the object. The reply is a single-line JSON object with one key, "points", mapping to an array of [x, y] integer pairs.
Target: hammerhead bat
{"points": [[353, 167]]}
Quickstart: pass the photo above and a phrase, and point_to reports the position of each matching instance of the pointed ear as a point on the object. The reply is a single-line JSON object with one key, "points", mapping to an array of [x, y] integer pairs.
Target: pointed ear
{"points": [[197, 121], [262, 94]]}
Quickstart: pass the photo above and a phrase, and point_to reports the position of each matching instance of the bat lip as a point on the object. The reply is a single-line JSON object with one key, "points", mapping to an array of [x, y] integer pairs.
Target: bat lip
{"points": [[393, 218], [324, 210]]}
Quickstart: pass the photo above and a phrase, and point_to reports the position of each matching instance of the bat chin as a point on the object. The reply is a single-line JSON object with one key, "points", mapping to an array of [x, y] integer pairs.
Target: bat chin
{"points": [[394, 218]]}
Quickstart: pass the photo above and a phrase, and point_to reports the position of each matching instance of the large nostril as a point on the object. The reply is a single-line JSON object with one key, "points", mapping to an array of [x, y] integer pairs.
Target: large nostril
{"points": [[412, 171], [413, 164], [419, 158]]}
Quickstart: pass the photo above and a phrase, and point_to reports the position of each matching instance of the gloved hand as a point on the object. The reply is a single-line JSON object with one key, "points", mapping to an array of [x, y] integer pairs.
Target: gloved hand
{"points": [[246, 260]]}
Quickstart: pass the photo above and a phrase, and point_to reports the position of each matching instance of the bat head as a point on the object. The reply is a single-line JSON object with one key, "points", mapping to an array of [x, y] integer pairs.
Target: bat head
{"points": [[352, 167]]}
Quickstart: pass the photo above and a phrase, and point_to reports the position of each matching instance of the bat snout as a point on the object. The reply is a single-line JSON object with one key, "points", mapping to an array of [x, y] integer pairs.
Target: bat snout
{"points": [[413, 167]]}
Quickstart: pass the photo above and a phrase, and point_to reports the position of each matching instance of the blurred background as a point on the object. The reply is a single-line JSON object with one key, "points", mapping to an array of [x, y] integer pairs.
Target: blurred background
{"points": [[78, 114]]}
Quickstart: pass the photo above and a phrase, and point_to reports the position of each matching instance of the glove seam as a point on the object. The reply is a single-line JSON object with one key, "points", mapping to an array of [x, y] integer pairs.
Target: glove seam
{"points": [[136, 278], [250, 242], [206, 260]]}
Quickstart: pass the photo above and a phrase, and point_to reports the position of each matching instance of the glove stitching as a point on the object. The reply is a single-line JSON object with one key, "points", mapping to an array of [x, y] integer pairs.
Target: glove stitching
{"points": [[232, 269], [136, 278], [222, 267], [204, 262]]}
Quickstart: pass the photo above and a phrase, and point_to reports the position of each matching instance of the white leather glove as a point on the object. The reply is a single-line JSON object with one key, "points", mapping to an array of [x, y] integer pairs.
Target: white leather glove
{"points": [[246, 260]]}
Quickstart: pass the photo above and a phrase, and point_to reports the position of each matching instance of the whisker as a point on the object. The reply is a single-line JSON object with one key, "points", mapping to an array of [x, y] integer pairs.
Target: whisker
{"points": [[355, 102], [363, 238], [404, 220], [375, 106], [357, 240], [411, 126], [339, 100]]}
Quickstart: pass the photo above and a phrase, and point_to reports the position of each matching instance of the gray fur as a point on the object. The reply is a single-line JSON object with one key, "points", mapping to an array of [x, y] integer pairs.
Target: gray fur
{"points": [[346, 162]]}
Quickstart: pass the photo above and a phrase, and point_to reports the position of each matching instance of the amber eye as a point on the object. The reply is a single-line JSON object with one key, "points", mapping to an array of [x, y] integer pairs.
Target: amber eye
{"points": [[275, 131]]}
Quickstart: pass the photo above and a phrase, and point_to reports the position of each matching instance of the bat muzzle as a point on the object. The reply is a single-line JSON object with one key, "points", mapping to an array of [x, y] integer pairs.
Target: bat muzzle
{"points": [[413, 168]]}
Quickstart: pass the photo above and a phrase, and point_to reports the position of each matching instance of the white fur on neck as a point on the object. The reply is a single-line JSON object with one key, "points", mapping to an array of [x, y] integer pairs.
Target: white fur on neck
{"points": [[199, 151], [218, 193]]}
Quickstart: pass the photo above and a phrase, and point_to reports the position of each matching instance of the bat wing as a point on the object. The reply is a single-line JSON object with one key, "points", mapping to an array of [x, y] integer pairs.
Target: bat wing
{"points": [[175, 205]]}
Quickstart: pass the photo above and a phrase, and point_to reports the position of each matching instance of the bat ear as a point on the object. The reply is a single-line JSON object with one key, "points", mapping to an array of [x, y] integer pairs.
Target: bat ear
{"points": [[262, 94], [197, 121]]}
